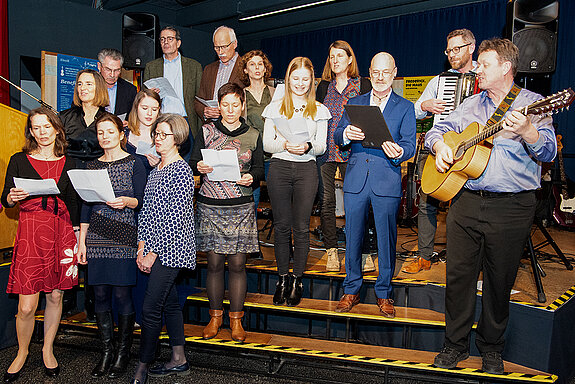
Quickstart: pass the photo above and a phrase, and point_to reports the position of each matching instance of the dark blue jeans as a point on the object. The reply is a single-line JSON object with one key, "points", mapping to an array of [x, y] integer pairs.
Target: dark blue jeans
{"points": [[161, 298]]}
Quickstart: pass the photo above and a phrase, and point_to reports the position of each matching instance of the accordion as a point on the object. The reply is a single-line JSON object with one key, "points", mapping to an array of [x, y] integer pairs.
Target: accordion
{"points": [[453, 88]]}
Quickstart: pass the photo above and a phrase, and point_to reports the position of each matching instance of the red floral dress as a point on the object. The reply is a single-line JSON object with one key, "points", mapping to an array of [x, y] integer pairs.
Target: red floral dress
{"points": [[45, 242]]}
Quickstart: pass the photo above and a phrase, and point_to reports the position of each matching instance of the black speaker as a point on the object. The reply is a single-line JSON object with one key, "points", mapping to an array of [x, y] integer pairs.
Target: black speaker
{"points": [[140, 34], [533, 27]]}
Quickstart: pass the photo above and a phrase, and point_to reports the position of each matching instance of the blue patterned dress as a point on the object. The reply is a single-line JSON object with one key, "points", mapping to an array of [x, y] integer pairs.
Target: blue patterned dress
{"points": [[111, 239], [166, 222]]}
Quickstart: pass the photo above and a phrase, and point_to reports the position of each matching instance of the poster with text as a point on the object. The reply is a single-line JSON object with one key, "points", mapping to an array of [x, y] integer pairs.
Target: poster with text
{"points": [[67, 68]]}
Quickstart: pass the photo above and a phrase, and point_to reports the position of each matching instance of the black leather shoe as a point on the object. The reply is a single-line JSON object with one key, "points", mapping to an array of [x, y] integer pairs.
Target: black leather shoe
{"points": [[143, 381], [449, 357], [161, 370], [282, 290], [296, 290], [492, 363], [11, 377], [52, 372]]}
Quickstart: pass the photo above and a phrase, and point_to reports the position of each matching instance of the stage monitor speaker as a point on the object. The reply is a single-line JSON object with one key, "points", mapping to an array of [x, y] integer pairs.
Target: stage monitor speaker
{"points": [[140, 34], [533, 26]]}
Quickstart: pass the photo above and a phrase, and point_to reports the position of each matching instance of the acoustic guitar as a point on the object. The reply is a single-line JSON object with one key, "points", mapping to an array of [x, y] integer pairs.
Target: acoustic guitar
{"points": [[471, 149]]}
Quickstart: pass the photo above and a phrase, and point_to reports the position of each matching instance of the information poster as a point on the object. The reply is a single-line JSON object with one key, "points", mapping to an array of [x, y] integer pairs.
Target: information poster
{"points": [[413, 87], [67, 67]]}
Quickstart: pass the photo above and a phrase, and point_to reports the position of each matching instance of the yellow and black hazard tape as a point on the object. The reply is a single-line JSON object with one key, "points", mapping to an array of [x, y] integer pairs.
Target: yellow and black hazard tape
{"points": [[5, 264], [370, 360], [324, 312], [568, 295]]}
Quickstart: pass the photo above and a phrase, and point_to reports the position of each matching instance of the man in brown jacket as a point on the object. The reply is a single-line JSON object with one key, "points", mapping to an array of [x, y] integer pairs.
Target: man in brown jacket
{"points": [[226, 70]]}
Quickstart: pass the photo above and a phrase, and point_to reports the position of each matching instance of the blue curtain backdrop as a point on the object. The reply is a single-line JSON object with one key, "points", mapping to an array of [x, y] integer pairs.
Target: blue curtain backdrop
{"points": [[417, 42]]}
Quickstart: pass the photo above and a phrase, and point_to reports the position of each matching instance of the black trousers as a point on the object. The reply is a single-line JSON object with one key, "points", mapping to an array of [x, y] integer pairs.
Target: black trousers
{"points": [[292, 187], [489, 234], [161, 298], [328, 219]]}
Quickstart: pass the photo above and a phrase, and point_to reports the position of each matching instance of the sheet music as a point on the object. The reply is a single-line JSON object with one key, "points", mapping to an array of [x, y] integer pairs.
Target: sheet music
{"points": [[36, 187], [171, 103], [93, 185], [145, 148], [294, 130], [225, 164]]}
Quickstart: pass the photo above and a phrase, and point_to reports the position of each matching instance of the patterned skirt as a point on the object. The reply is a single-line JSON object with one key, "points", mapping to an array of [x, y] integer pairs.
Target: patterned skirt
{"points": [[226, 229]]}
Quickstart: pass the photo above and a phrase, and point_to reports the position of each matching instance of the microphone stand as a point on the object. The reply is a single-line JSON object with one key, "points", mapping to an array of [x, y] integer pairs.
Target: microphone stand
{"points": [[42, 102]]}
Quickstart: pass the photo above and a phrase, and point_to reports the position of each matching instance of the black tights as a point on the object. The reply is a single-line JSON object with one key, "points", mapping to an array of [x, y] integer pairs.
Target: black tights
{"points": [[237, 284], [122, 296]]}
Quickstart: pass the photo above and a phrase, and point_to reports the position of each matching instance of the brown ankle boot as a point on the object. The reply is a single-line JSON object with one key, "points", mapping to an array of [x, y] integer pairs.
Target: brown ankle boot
{"points": [[211, 330], [238, 333]]}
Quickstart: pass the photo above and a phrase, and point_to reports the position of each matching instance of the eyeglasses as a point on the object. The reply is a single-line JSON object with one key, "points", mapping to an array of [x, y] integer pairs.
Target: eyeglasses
{"points": [[162, 135], [168, 39], [384, 73], [222, 47], [455, 50]]}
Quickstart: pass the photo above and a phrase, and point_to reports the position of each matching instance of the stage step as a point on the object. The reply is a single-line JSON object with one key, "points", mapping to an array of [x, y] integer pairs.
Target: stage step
{"points": [[326, 308], [318, 271], [281, 350]]}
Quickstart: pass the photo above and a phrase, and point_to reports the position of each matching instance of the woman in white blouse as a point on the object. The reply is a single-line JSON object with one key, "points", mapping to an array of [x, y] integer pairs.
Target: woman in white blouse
{"points": [[292, 180]]}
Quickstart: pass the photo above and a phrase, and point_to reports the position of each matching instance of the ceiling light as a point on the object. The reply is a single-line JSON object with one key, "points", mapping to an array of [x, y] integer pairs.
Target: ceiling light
{"points": [[289, 9]]}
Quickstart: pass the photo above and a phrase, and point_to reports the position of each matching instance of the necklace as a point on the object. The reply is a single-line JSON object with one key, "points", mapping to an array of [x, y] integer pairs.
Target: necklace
{"points": [[300, 109], [378, 98]]}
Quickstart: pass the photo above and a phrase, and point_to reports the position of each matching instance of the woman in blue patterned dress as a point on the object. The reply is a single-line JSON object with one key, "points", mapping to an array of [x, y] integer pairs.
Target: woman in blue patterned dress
{"points": [[226, 220], [108, 244], [166, 244]]}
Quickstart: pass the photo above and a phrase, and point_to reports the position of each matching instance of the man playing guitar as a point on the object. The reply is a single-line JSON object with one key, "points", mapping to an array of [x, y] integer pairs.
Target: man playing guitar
{"points": [[489, 220]]}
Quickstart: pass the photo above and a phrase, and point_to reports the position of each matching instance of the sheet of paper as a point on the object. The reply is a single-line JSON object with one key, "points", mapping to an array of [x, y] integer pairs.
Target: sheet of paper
{"points": [[208, 103], [279, 92], [224, 162], [480, 287], [93, 185], [37, 187], [145, 148], [171, 103], [122, 116], [293, 130]]}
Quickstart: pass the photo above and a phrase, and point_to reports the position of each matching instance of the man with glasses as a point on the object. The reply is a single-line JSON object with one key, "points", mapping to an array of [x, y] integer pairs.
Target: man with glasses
{"points": [[459, 52], [183, 73], [374, 177], [120, 91], [226, 70]]}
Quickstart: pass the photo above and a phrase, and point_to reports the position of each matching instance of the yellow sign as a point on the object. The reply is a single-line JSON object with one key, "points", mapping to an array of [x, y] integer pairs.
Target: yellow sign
{"points": [[413, 87]]}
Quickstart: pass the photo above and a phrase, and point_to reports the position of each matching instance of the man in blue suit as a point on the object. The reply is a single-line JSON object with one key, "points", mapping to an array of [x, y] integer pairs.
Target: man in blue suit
{"points": [[374, 177]]}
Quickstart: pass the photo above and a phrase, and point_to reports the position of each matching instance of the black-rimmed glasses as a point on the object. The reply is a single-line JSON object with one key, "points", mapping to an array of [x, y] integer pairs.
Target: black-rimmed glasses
{"points": [[455, 50]]}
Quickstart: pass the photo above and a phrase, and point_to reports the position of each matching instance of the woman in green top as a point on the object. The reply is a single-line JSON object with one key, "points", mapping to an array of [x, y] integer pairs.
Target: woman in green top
{"points": [[256, 71]]}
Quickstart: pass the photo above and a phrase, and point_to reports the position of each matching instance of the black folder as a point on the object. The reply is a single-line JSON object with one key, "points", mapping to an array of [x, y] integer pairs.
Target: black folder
{"points": [[370, 119]]}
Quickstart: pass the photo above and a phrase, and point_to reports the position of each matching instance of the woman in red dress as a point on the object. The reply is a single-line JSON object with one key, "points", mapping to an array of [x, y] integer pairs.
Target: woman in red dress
{"points": [[43, 259]]}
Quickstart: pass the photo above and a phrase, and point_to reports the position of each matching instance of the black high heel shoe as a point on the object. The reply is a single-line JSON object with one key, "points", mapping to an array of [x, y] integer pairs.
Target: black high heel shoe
{"points": [[11, 377], [52, 372]]}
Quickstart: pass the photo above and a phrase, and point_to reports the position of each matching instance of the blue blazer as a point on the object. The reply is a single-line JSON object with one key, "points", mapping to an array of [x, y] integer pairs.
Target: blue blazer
{"points": [[384, 173]]}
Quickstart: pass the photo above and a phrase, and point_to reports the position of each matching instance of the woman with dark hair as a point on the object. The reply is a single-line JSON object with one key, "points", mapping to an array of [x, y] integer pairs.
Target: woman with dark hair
{"points": [[142, 117], [225, 216], [90, 100], [340, 82], [256, 70], [108, 244], [43, 258], [165, 245], [292, 180]]}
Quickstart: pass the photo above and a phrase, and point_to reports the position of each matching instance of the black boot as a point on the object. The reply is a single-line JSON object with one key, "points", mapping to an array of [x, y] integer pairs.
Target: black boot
{"points": [[296, 290], [106, 333], [282, 290], [126, 335]]}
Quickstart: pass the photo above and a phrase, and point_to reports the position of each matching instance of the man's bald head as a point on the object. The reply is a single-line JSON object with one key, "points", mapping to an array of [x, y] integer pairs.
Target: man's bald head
{"points": [[382, 71], [383, 59]]}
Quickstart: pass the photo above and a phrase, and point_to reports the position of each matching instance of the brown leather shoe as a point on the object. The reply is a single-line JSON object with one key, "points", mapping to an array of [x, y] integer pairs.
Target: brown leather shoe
{"points": [[213, 327], [347, 302], [238, 333], [386, 307], [418, 265]]}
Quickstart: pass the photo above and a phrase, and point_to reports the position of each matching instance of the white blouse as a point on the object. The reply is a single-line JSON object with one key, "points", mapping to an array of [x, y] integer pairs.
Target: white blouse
{"points": [[317, 127]]}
